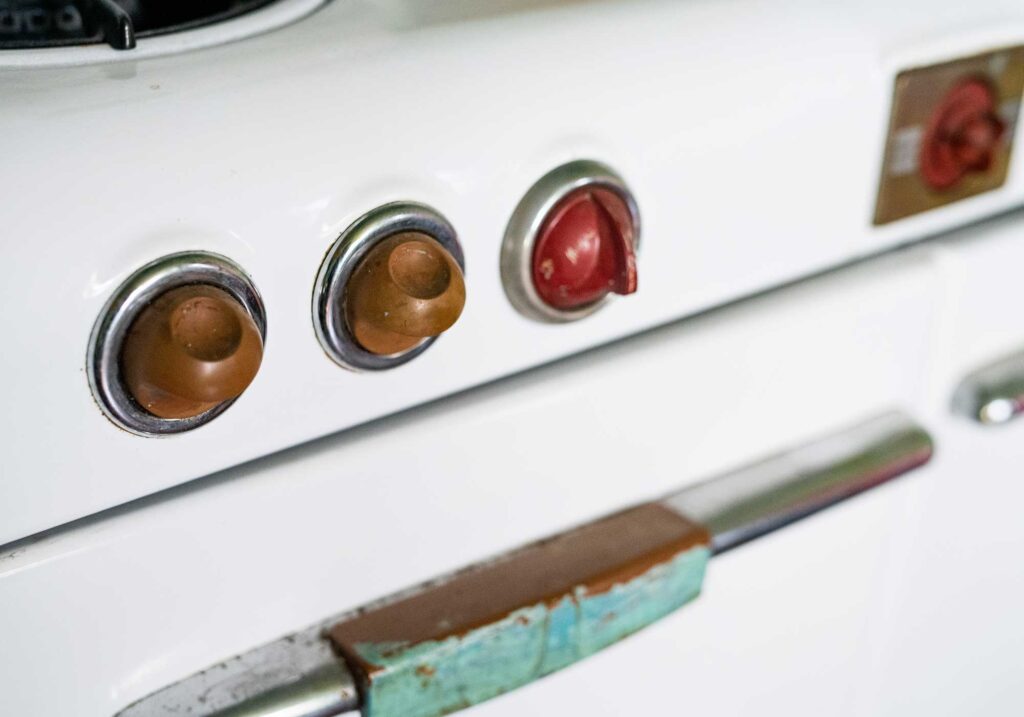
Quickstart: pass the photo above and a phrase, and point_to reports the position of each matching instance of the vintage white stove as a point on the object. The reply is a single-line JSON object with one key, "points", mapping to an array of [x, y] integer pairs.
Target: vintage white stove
{"points": [[307, 303]]}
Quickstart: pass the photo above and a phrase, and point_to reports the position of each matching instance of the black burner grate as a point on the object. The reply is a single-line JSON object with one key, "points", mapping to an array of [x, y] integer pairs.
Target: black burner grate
{"points": [[53, 23]]}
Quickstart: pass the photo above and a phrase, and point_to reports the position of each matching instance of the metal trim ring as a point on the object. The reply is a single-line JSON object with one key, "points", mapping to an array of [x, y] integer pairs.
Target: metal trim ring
{"points": [[525, 224], [124, 306], [345, 254]]}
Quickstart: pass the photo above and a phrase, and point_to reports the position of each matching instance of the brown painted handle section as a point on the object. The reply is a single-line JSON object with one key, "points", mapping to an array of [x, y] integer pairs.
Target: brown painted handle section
{"points": [[407, 288], [500, 625], [597, 555], [191, 349]]}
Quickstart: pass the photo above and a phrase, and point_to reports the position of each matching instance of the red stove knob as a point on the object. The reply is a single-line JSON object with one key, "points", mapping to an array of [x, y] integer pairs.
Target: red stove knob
{"points": [[585, 250], [962, 135]]}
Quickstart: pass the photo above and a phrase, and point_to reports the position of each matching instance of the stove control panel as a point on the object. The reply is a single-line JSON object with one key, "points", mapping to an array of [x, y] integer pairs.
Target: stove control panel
{"points": [[391, 203], [950, 133], [174, 347]]}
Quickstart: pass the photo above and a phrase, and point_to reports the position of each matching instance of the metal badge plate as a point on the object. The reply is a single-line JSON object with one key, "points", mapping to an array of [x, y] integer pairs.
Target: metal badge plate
{"points": [[917, 94]]}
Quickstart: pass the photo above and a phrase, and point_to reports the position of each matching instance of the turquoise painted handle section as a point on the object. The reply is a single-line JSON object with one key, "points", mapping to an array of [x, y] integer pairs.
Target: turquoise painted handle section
{"points": [[438, 677]]}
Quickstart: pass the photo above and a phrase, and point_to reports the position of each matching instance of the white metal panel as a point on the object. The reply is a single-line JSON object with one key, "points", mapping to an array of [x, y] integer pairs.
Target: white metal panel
{"points": [[830, 617], [115, 607], [947, 633], [750, 131]]}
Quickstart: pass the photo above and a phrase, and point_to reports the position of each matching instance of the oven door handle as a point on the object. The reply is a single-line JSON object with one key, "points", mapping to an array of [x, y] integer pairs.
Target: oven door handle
{"points": [[994, 393], [501, 624]]}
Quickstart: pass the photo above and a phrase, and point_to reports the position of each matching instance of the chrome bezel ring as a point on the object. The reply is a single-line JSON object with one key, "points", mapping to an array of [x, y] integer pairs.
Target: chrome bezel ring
{"points": [[526, 222], [344, 256], [121, 310]]}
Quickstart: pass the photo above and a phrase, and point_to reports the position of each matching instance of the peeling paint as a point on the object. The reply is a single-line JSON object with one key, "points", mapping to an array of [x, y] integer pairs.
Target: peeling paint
{"points": [[524, 646], [503, 624]]}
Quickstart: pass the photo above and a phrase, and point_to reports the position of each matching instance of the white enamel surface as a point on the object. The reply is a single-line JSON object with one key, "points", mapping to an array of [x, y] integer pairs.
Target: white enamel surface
{"points": [[117, 607], [750, 132], [903, 601]]}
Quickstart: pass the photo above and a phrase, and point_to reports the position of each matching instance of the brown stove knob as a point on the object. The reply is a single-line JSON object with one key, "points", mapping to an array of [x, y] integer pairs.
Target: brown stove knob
{"points": [[407, 288], [191, 349]]}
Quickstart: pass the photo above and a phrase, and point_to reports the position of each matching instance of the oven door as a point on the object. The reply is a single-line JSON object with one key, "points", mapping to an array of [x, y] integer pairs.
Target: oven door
{"points": [[900, 601]]}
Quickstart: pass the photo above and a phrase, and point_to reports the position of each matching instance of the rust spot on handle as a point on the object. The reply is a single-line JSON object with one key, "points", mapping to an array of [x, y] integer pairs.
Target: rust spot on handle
{"points": [[598, 555]]}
